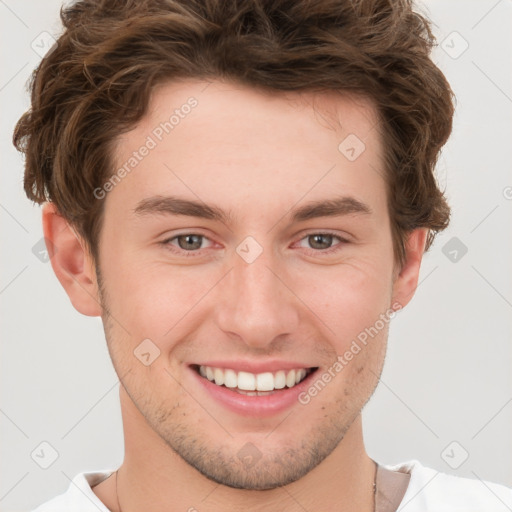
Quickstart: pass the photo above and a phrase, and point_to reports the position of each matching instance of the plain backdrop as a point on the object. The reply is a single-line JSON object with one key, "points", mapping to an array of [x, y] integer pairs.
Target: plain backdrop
{"points": [[446, 389]]}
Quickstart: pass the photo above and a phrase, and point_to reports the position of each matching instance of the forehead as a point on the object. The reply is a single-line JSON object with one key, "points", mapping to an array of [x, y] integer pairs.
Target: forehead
{"points": [[227, 140]]}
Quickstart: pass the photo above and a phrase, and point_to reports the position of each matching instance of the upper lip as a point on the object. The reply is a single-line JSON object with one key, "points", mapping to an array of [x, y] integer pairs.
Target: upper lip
{"points": [[255, 366]]}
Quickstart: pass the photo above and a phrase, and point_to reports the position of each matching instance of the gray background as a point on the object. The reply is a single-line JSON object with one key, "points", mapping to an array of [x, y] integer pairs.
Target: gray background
{"points": [[447, 376]]}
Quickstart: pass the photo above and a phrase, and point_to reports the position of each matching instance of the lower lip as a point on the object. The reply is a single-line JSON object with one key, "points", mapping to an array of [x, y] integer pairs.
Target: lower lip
{"points": [[260, 406]]}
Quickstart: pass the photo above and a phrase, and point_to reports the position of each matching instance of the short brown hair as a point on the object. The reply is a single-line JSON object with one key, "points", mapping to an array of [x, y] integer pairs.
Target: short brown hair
{"points": [[97, 81]]}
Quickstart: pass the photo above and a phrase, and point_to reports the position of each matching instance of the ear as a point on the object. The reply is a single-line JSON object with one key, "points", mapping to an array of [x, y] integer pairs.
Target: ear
{"points": [[71, 262], [406, 280]]}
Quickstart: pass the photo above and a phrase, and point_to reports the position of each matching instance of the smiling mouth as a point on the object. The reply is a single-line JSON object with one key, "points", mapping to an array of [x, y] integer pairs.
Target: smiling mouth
{"points": [[254, 384]]}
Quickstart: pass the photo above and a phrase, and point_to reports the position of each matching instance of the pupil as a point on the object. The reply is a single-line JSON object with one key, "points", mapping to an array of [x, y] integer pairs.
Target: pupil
{"points": [[189, 242], [320, 241]]}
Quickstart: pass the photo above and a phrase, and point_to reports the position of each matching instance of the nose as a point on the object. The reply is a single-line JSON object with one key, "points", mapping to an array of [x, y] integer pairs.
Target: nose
{"points": [[256, 303]]}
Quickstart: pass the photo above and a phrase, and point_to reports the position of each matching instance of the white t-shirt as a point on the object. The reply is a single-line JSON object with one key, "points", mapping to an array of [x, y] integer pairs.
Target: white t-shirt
{"points": [[428, 491]]}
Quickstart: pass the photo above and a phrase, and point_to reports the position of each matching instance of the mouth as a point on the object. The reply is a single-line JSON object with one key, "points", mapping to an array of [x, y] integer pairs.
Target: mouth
{"points": [[254, 384], [264, 392]]}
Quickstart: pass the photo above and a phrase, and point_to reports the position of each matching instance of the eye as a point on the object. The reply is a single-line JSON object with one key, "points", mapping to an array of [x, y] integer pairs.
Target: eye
{"points": [[321, 242], [189, 242], [193, 242]]}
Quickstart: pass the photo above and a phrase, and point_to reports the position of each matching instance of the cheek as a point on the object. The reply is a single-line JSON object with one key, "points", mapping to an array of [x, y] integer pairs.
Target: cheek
{"points": [[152, 299], [348, 298]]}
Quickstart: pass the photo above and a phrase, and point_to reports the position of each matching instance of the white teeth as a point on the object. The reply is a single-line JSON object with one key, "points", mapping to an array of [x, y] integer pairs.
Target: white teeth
{"points": [[246, 381], [290, 379], [264, 382], [219, 376], [280, 380], [230, 378], [299, 375], [250, 383]]}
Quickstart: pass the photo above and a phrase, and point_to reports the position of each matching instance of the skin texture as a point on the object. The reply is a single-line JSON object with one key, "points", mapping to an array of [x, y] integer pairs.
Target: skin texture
{"points": [[257, 156]]}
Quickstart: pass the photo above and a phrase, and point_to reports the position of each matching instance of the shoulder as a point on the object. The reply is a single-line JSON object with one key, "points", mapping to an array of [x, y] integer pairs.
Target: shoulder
{"points": [[432, 490], [79, 496]]}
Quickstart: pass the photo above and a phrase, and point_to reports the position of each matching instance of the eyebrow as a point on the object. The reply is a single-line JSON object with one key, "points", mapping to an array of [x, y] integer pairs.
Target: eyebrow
{"points": [[330, 208], [172, 205], [177, 206]]}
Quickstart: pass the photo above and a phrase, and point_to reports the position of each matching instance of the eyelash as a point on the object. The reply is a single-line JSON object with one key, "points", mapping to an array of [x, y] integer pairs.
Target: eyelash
{"points": [[194, 253]]}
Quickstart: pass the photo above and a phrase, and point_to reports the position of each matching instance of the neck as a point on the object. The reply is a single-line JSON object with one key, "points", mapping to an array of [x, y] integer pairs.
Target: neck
{"points": [[153, 476]]}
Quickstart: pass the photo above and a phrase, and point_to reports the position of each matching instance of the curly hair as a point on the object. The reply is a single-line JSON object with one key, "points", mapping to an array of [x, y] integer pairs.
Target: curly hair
{"points": [[96, 84]]}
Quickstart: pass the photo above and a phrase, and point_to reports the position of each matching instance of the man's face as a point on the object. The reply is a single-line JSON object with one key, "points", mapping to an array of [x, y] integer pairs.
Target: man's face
{"points": [[253, 289]]}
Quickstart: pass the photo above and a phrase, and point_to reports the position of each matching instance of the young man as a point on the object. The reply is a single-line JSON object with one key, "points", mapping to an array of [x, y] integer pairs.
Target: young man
{"points": [[243, 191]]}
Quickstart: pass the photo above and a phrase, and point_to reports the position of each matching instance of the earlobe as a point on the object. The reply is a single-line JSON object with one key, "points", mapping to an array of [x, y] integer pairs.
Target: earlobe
{"points": [[406, 281], [71, 262]]}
